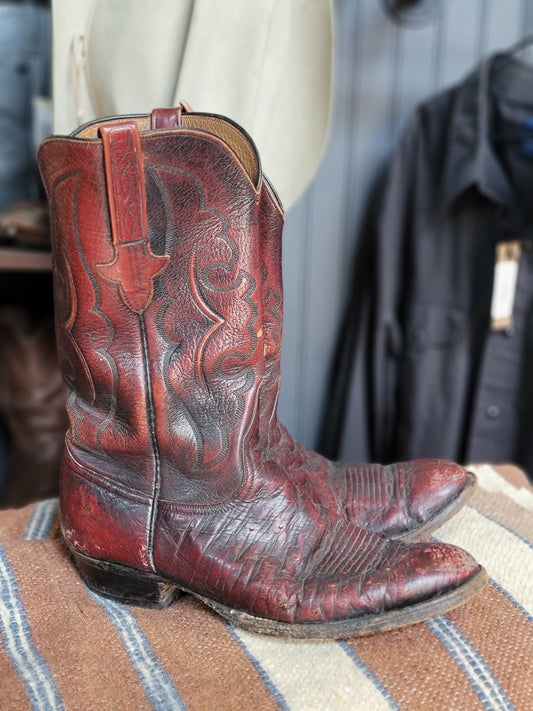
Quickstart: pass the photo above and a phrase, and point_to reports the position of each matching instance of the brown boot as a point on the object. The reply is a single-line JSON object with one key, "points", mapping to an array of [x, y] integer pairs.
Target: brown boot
{"points": [[407, 500], [165, 484], [32, 405]]}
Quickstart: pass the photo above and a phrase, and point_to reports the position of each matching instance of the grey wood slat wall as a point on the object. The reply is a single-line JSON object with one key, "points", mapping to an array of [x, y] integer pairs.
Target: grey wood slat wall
{"points": [[382, 70]]}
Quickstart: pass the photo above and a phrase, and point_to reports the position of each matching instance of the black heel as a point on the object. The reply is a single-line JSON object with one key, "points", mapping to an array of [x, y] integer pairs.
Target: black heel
{"points": [[124, 584]]}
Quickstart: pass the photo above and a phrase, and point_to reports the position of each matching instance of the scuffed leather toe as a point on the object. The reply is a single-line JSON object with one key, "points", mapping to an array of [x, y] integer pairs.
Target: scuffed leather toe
{"points": [[429, 567], [437, 489]]}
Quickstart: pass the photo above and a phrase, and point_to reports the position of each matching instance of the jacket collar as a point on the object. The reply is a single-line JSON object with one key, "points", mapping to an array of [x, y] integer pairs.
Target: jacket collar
{"points": [[471, 159]]}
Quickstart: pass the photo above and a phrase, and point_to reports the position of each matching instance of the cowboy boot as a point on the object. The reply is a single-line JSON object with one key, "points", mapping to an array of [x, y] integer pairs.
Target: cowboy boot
{"points": [[406, 500], [164, 484]]}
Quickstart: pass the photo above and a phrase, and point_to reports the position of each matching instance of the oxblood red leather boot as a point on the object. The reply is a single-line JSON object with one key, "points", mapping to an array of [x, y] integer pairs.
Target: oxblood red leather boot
{"points": [[406, 500], [165, 485]]}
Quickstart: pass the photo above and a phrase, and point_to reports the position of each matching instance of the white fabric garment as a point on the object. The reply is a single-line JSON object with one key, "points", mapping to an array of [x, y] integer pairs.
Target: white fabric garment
{"points": [[265, 64]]}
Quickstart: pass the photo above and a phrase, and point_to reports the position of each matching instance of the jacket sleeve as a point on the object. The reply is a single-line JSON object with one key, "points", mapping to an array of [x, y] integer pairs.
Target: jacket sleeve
{"points": [[362, 409], [389, 289]]}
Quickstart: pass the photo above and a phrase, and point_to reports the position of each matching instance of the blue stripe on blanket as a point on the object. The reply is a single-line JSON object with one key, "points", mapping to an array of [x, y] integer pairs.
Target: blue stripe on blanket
{"points": [[479, 674], [41, 520], [276, 693], [368, 673], [156, 682], [19, 645]]}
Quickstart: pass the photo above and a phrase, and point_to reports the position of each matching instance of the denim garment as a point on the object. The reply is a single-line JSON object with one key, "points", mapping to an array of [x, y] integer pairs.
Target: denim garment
{"points": [[25, 48]]}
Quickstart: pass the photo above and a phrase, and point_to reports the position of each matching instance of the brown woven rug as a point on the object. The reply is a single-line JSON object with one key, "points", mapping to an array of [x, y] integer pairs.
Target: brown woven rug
{"points": [[63, 648]]}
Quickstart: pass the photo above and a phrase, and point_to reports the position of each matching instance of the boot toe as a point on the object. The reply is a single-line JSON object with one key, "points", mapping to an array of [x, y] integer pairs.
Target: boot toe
{"points": [[426, 570], [437, 489]]}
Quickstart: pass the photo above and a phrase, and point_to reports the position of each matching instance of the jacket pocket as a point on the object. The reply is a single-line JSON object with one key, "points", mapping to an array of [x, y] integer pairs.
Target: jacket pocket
{"points": [[433, 327], [433, 370]]}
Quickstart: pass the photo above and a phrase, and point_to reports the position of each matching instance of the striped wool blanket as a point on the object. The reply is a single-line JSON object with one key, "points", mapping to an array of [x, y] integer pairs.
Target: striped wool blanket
{"points": [[65, 648]]}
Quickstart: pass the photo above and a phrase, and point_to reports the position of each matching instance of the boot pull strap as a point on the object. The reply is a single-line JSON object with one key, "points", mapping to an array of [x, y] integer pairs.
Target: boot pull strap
{"points": [[169, 118], [134, 266], [125, 182]]}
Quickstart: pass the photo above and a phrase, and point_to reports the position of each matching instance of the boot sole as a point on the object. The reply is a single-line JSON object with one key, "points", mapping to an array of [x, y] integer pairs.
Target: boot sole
{"points": [[132, 587], [442, 516]]}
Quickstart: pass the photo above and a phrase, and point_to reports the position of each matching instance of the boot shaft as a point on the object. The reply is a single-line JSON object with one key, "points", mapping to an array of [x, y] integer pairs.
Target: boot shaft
{"points": [[158, 301], [271, 221]]}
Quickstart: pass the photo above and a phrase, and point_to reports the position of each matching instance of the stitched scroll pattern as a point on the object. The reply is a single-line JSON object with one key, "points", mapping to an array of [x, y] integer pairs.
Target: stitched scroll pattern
{"points": [[209, 317], [85, 331]]}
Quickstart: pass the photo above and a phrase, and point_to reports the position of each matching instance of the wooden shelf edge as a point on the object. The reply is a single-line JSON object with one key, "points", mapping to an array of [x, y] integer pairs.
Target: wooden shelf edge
{"points": [[24, 260]]}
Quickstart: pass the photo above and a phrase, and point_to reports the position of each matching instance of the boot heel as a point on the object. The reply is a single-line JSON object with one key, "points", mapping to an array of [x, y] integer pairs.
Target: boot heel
{"points": [[124, 584]]}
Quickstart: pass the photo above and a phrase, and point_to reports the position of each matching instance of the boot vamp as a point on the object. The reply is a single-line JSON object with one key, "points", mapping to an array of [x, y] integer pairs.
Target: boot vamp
{"points": [[391, 500], [399, 498], [276, 553]]}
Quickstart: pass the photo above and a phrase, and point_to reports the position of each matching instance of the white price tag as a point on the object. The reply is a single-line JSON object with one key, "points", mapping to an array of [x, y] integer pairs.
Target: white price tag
{"points": [[504, 286]]}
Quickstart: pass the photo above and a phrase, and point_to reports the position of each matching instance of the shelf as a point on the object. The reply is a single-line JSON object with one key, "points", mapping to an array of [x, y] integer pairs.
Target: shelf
{"points": [[24, 260]]}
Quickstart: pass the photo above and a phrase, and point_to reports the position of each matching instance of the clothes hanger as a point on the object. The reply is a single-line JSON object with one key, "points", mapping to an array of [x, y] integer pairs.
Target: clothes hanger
{"points": [[412, 12], [506, 55], [524, 132]]}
